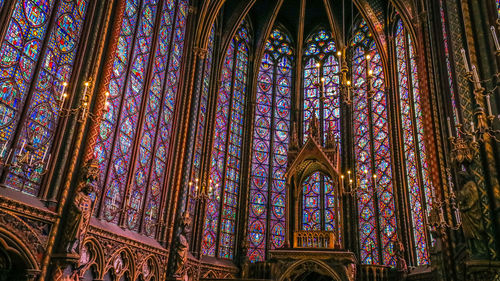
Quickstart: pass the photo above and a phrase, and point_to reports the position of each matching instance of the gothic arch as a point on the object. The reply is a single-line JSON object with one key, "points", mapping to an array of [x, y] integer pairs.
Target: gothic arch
{"points": [[96, 260], [121, 263], [21, 240], [311, 265], [14, 247], [152, 262]]}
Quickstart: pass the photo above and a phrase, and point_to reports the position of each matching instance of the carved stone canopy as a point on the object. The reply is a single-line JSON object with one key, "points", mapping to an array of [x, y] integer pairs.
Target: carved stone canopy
{"points": [[311, 158]]}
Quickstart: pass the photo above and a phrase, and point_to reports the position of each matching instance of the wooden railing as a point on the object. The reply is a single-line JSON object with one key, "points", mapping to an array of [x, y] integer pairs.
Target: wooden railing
{"points": [[314, 239]]}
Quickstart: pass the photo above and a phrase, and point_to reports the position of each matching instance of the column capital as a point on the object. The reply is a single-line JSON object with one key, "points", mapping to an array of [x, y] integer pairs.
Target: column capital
{"points": [[200, 52]]}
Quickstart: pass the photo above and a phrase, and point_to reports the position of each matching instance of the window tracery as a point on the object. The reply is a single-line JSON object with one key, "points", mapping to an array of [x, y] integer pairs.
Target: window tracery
{"points": [[132, 151], [266, 226], [376, 209], [417, 170], [30, 117], [321, 63], [220, 222]]}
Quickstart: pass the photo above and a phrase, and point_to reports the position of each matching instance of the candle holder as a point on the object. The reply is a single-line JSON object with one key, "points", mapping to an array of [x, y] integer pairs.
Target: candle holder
{"points": [[352, 189], [486, 120], [25, 159], [149, 221], [437, 222], [464, 147]]}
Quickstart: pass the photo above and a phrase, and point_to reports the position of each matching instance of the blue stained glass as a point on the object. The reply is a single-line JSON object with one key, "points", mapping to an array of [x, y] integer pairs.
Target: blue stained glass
{"points": [[28, 24], [109, 122], [321, 63], [157, 176], [376, 222], [226, 154], [270, 146], [419, 184], [132, 96], [128, 118]]}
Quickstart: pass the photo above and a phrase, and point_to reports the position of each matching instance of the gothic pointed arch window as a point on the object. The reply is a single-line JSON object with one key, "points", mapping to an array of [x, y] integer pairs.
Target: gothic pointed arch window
{"points": [[36, 59], [321, 71], [266, 222], [220, 223], [376, 207], [135, 132], [416, 167], [321, 101], [319, 203]]}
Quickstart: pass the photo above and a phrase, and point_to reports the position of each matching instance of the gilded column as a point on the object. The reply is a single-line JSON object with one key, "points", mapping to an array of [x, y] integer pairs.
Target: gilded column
{"points": [[102, 88], [78, 212]]}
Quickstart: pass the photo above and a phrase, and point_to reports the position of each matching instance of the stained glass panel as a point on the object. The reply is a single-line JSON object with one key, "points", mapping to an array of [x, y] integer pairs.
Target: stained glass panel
{"points": [[108, 127], [311, 200], [140, 111], [270, 146], [319, 203], [220, 222], [376, 210], [20, 50], [56, 68], [414, 148], [498, 8], [233, 154], [211, 225], [149, 127], [128, 120], [321, 62], [170, 88]]}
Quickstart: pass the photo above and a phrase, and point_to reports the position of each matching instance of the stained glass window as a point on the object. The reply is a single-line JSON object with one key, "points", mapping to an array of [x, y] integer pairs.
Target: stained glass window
{"points": [[220, 222], [321, 63], [200, 127], [319, 204], [270, 146], [20, 51], [498, 8], [417, 172], [376, 210], [140, 112]]}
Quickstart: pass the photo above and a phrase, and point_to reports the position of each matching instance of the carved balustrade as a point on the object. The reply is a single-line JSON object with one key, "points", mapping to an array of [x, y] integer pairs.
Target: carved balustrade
{"points": [[314, 239]]}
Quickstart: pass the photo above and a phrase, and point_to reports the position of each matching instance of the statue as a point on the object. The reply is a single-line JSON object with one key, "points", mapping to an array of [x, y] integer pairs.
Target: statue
{"points": [[400, 259], [80, 210], [181, 245], [244, 257], [78, 218], [314, 128], [468, 203]]}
